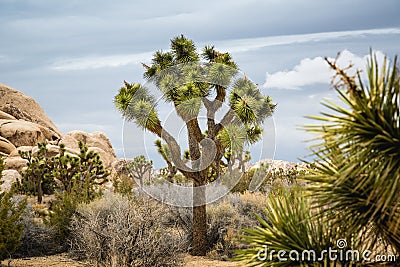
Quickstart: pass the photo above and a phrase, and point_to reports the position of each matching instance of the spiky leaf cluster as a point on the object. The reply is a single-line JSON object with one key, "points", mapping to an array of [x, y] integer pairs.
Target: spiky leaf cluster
{"points": [[358, 169]]}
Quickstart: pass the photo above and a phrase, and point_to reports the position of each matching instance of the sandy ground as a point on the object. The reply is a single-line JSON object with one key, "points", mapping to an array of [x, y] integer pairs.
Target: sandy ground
{"points": [[61, 260]]}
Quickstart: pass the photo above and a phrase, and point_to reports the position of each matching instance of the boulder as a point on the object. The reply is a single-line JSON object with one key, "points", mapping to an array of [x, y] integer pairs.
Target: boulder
{"points": [[69, 142], [22, 107], [95, 139], [97, 142], [21, 133], [8, 178], [15, 152], [6, 116], [23, 124], [6, 147], [15, 163], [105, 157]]}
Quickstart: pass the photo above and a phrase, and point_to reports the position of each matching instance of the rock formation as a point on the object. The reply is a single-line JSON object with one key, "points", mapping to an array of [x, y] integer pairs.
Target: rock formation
{"points": [[24, 124], [17, 106]]}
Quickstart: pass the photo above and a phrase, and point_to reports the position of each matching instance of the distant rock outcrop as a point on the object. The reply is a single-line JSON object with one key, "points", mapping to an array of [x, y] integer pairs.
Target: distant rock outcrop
{"points": [[16, 105], [24, 124]]}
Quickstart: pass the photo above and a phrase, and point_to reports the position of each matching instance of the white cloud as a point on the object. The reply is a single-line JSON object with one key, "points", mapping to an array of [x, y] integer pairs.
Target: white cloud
{"points": [[243, 45], [315, 70], [236, 45], [95, 62]]}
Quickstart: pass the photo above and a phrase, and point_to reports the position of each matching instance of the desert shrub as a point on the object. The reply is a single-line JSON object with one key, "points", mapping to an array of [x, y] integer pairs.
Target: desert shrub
{"points": [[37, 239], [65, 206], [11, 223], [123, 184], [244, 181], [120, 231], [226, 219]]}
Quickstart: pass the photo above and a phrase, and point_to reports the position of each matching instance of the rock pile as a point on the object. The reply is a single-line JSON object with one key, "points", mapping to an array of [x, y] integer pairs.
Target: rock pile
{"points": [[24, 124]]}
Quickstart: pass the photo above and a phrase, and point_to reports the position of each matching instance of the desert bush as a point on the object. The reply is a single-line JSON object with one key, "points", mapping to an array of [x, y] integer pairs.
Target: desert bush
{"points": [[244, 181], [226, 219], [124, 184], [64, 207], [11, 223], [120, 231], [37, 239]]}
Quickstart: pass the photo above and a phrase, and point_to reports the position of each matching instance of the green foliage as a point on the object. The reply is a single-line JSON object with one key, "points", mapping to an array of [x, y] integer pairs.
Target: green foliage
{"points": [[65, 206], [190, 87], [290, 224], [80, 171], [37, 178], [124, 184], [12, 210], [357, 173], [80, 176], [84, 171]]}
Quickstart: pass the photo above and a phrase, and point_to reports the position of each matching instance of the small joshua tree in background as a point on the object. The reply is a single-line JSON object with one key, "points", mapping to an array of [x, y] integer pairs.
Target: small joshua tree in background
{"points": [[166, 155], [38, 175], [139, 167], [83, 171]]}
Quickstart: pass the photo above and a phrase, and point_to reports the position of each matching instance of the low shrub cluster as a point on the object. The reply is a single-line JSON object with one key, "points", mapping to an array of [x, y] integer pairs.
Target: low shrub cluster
{"points": [[37, 239], [125, 231]]}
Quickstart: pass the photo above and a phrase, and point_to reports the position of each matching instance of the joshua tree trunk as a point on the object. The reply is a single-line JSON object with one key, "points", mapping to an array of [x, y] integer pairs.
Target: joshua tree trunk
{"points": [[40, 192], [199, 218]]}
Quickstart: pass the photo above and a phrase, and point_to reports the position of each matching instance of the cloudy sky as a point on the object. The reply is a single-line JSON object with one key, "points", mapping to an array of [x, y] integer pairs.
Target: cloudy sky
{"points": [[72, 56]]}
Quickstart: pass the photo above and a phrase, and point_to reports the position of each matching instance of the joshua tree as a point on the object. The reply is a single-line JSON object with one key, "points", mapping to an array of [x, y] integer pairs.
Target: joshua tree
{"points": [[38, 172], [139, 167], [83, 170], [191, 86]]}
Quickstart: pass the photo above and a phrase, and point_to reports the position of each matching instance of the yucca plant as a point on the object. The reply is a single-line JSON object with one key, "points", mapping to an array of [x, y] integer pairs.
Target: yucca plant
{"points": [[357, 174], [293, 233]]}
